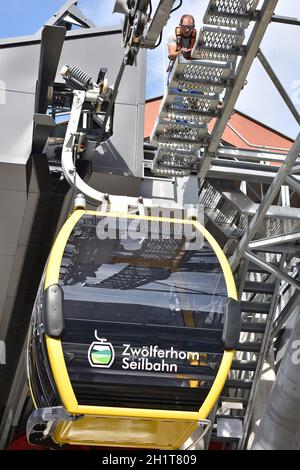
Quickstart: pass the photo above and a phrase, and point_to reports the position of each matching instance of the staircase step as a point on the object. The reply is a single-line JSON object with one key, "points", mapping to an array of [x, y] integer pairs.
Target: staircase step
{"points": [[253, 327], [237, 383], [230, 14], [166, 171], [214, 438], [259, 287], [257, 269], [180, 160], [255, 307]]}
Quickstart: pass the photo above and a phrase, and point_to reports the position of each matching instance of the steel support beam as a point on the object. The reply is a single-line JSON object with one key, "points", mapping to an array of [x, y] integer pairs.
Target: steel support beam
{"points": [[272, 269], [61, 12], [278, 85], [77, 15], [239, 81], [256, 221]]}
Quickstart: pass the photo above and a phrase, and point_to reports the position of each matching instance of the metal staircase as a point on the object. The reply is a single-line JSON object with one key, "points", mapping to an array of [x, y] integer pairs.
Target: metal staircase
{"points": [[230, 211]]}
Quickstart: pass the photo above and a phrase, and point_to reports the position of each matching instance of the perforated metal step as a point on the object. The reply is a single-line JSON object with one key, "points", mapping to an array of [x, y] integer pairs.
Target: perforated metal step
{"points": [[254, 268], [218, 44], [259, 287], [230, 13], [239, 384]]}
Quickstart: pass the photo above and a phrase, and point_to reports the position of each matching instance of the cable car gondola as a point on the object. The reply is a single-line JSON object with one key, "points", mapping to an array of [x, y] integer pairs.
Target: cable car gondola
{"points": [[132, 335]]}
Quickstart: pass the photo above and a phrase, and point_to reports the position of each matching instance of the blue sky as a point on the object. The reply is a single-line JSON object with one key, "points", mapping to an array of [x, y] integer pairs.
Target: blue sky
{"points": [[259, 99]]}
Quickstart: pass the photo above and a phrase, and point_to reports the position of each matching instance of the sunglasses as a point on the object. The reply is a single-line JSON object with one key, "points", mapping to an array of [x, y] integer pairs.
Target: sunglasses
{"points": [[187, 26]]}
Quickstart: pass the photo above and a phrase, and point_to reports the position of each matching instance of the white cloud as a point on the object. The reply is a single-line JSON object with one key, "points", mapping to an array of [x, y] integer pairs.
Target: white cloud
{"points": [[259, 98], [157, 58]]}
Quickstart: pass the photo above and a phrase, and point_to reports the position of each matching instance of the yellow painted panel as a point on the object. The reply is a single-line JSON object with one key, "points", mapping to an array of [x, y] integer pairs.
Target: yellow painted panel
{"points": [[125, 432]]}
